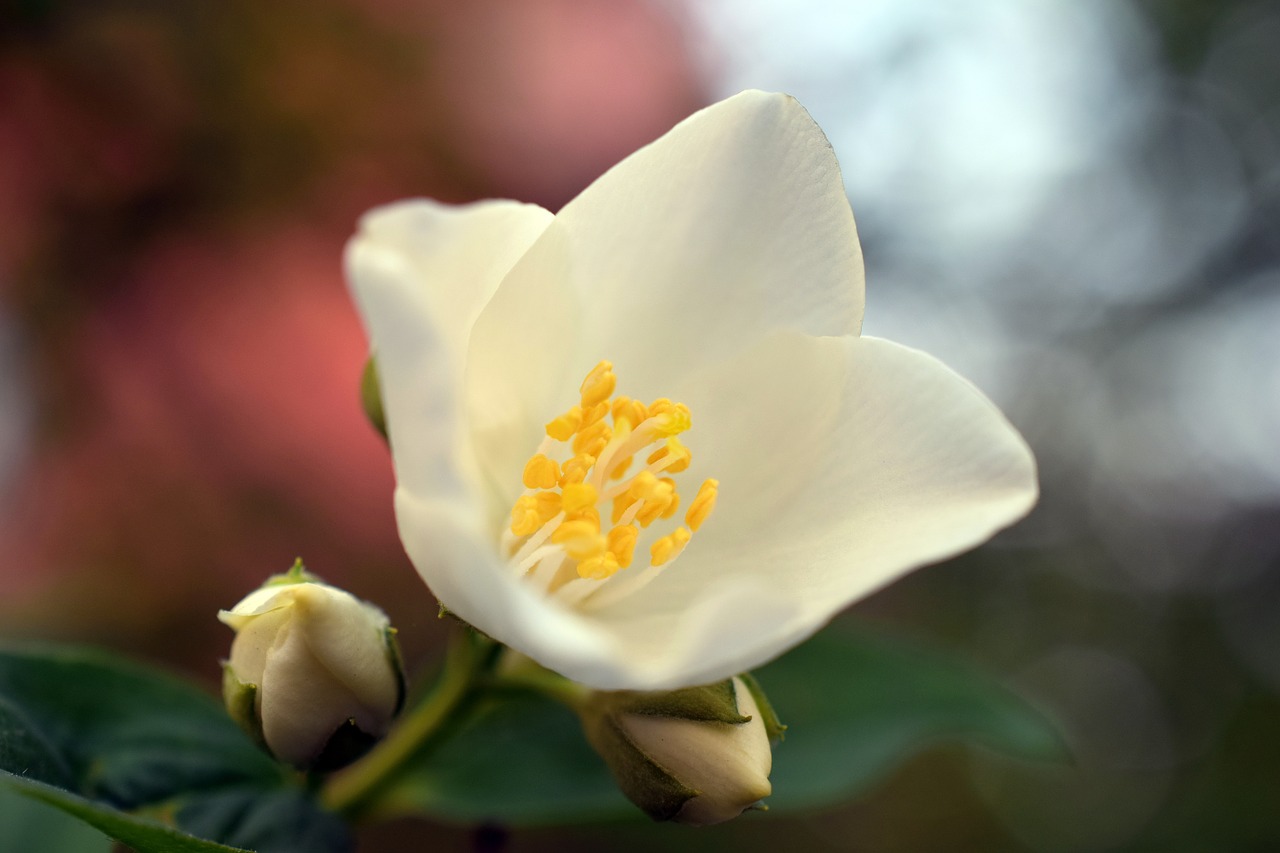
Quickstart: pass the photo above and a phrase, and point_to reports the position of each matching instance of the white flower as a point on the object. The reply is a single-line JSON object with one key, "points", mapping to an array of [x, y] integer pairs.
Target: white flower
{"points": [[317, 658], [718, 267]]}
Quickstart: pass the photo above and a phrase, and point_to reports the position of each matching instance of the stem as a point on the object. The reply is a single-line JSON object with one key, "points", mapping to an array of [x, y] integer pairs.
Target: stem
{"points": [[514, 670], [352, 791]]}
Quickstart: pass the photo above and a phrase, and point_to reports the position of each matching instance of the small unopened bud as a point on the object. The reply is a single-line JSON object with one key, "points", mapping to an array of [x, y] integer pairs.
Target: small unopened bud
{"points": [[314, 674], [697, 756]]}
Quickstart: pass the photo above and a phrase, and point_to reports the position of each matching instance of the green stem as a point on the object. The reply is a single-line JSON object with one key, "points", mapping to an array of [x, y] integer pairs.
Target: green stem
{"points": [[514, 670], [354, 790]]}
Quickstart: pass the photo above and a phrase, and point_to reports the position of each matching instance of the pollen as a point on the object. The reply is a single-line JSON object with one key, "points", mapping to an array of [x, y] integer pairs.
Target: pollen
{"points": [[563, 427], [541, 472], [703, 502], [669, 547], [598, 385], [587, 467]]}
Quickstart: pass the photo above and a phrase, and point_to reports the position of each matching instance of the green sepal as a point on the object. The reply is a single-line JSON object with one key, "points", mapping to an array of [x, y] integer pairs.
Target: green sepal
{"points": [[396, 659], [708, 703], [773, 727], [371, 397], [297, 573], [241, 701], [644, 782]]}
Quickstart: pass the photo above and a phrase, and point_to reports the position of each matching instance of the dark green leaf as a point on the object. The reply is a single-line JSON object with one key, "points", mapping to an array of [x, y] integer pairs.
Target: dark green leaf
{"points": [[117, 732], [520, 759], [143, 835], [98, 737], [857, 705], [285, 820], [30, 826]]}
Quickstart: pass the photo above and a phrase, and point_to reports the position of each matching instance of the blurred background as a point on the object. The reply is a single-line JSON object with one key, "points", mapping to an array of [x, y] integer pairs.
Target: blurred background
{"points": [[1076, 203]]}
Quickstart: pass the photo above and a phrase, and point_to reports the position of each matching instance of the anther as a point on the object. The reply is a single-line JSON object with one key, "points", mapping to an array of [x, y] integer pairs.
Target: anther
{"points": [[563, 427], [525, 518], [579, 496], [673, 456], [598, 385], [703, 503], [541, 472], [669, 547], [599, 567], [622, 543]]}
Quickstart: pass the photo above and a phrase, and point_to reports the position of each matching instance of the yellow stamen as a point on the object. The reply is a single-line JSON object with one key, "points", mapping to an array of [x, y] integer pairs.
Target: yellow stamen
{"points": [[599, 567], [592, 439], [633, 412], [703, 503], [669, 547], [548, 505], [567, 494], [589, 513], [680, 456], [563, 427], [598, 385], [579, 496], [620, 468], [524, 516], [575, 470], [674, 505], [594, 414], [621, 504], [622, 543], [580, 538], [643, 484], [656, 503], [541, 472]]}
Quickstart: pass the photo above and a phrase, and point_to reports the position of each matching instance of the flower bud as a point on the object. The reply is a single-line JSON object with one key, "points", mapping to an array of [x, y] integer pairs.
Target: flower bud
{"points": [[314, 674], [697, 756]]}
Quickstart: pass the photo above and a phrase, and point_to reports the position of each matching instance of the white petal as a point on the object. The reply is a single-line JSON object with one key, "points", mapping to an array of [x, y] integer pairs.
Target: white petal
{"points": [[301, 703], [733, 225], [457, 559], [255, 636], [421, 272], [844, 463], [261, 600], [457, 556], [346, 635]]}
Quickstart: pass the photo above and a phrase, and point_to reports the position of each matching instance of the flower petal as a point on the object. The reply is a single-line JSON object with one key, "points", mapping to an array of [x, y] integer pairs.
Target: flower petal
{"points": [[347, 637], [421, 272], [733, 225], [734, 222], [301, 700], [843, 463]]}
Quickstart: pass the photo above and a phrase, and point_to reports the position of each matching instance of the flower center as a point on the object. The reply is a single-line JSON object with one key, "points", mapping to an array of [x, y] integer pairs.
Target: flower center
{"points": [[582, 472]]}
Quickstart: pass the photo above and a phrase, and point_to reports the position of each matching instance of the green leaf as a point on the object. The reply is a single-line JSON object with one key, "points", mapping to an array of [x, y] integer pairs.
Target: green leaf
{"points": [[143, 835], [29, 825], [115, 731], [856, 706], [99, 737], [285, 820], [519, 759]]}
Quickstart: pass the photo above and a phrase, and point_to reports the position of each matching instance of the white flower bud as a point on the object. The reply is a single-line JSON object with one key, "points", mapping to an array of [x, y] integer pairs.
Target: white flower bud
{"points": [[728, 764], [316, 660], [697, 756]]}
